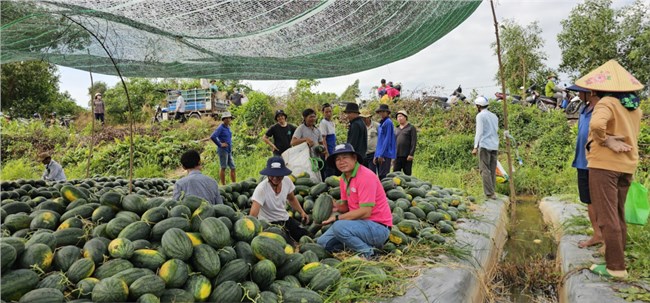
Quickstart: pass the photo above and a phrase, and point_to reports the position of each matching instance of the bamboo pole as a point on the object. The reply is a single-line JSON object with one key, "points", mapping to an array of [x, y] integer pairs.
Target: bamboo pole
{"points": [[92, 114], [126, 91], [505, 113]]}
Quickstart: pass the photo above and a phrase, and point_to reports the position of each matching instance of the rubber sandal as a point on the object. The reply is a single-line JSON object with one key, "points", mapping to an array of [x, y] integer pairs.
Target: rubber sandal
{"points": [[601, 270]]}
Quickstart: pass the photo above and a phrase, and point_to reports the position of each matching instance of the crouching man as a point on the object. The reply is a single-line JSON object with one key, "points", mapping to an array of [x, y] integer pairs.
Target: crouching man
{"points": [[365, 219], [272, 194]]}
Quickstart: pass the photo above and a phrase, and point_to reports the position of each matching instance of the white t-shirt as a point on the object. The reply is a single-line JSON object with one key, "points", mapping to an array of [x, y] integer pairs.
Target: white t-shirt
{"points": [[273, 206], [326, 127]]}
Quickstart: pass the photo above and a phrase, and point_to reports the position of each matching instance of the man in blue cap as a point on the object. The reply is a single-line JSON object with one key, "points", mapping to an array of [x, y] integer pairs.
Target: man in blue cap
{"points": [[272, 194], [365, 218]]}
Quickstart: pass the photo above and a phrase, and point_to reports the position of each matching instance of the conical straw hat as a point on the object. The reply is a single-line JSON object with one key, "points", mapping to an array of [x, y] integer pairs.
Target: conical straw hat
{"points": [[610, 77]]}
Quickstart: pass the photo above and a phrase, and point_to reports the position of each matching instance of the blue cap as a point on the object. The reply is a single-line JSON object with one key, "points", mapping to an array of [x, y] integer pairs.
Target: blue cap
{"points": [[576, 88], [345, 148]]}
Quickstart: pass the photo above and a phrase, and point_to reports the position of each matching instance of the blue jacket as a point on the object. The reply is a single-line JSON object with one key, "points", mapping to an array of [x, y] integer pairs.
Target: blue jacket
{"points": [[386, 142], [222, 135]]}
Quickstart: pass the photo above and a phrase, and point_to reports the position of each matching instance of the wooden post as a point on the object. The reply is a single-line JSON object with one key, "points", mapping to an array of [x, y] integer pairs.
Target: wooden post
{"points": [[92, 115], [128, 98], [505, 113]]}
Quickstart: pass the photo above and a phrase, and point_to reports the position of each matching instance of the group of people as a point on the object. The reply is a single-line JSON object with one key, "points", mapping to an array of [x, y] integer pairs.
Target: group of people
{"points": [[606, 157], [382, 144], [388, 92], [363, 220]]}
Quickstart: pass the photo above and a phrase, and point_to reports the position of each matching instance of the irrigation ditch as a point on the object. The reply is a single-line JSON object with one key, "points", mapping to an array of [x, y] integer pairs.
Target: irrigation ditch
{"points": [[528, 256]]}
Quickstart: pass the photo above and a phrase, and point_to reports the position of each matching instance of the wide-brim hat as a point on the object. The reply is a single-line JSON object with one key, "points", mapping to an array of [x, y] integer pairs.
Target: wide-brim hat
{"points": [[365, 113], [44, 155], [551, 76], [345, 148], [351, 108], [576, 88], [275, 167], [402, 112], [610, 77], [383, 108], [227, 115]]}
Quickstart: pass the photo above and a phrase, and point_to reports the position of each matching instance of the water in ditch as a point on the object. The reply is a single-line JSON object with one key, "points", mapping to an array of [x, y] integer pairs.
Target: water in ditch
{"points": [[527, 271]]}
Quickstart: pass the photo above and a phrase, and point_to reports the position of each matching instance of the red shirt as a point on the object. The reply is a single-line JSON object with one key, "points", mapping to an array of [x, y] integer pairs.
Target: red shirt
{"points": [[365, 189]]}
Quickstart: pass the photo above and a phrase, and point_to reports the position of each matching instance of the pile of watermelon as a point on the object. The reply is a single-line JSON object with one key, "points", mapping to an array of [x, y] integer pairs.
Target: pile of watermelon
{"points": [[90, 241]]}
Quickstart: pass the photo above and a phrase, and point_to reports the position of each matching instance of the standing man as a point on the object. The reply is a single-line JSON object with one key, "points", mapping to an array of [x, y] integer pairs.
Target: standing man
{"points": [[486, 145], [179, 114], [365, 220], [386, 145], [372, 128], [328, 131], [53, 170], [281, 133], [98, 104], [222, 137], [271, 196], [307, 132], [236, 97], [407, 139], [196, 183], [357, 132]]}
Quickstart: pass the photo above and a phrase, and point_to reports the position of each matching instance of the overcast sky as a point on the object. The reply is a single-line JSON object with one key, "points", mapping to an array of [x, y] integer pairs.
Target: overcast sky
{"points": [[463, 56]]}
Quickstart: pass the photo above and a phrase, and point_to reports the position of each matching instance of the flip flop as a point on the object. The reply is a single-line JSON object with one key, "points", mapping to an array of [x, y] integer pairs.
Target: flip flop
{"points": [[601, 270]]}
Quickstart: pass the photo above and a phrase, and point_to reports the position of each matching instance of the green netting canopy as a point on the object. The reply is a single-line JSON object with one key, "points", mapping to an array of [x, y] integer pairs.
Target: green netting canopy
{"points": [[268, 39]]}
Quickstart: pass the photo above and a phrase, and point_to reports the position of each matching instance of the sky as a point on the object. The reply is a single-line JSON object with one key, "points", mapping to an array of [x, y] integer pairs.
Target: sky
{"points": [[462, 57]]}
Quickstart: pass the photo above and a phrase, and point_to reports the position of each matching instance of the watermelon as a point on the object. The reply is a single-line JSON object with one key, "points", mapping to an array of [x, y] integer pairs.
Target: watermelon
{"points": [[176, 244], [110, 290], [174, 272]]}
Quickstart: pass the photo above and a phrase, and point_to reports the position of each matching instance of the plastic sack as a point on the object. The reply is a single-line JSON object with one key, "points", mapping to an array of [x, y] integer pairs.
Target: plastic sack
{"points": [[636, 204], [244, 100], [298, 161], [501, 174]]}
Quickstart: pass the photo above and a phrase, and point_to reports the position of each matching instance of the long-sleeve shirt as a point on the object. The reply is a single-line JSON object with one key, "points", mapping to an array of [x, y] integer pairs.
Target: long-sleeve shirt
{"points": [[549, 90], [487, 126], [99, 106], [610, 118], [372, 129], [54, 172], [407, 139], [222, 134], [180, 104], [200, 185], [358, 135], [386, 142]]}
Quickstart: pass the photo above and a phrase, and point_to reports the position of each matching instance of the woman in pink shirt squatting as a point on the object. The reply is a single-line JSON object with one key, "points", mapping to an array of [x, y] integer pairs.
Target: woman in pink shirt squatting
{"points": [[365, 219]]}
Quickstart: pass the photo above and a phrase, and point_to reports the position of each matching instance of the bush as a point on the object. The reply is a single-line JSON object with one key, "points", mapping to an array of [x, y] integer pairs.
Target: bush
{"points": [[454, 150], [20, 169]]}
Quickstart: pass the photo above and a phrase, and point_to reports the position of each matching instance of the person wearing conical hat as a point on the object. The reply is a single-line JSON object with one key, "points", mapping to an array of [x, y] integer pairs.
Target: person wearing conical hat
{"points": [[612, 156]]}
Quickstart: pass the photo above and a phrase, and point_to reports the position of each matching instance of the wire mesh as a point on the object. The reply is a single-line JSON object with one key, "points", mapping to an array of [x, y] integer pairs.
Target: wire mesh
{"points": [[269, 39]]}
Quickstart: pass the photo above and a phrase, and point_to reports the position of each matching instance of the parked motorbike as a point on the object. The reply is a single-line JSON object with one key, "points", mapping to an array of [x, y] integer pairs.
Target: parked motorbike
{"points": [[457, 97], [542, 102], [515, 99]]}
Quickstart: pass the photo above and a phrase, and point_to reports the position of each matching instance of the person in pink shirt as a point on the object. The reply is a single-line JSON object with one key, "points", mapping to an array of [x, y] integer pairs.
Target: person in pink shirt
{"points": [[365, 218]]}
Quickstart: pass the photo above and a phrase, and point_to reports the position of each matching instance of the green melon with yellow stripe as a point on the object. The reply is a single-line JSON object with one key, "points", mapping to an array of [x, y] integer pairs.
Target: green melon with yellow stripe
{"points": [[246, 228], [199, 286]]}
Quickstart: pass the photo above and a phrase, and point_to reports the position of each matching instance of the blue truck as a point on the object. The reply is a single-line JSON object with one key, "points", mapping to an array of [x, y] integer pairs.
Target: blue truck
{"points": [[198, 103]]}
